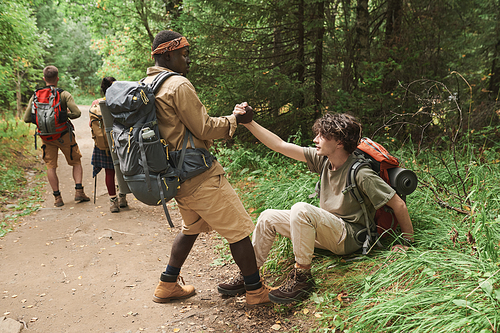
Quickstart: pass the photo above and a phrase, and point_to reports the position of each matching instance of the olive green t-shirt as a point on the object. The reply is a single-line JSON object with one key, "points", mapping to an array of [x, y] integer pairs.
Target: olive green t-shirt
{"points": [[375, 191]]}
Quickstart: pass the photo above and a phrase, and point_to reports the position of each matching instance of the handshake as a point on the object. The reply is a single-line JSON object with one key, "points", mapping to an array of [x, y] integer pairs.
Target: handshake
{"points": [[243, 116]]}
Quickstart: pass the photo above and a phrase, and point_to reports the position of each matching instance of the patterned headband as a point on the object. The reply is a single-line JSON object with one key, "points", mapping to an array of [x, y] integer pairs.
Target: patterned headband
{"points": [[172, 45]]}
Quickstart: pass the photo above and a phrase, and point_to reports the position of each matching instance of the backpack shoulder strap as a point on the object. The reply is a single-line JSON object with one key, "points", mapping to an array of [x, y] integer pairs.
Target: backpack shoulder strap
{"points": [[352, 187], [159, 79]]}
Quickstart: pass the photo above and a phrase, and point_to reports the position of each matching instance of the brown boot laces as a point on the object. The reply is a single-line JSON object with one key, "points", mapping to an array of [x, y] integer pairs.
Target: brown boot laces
{"points": [[294, 277], [180, 278], [238, 279]]}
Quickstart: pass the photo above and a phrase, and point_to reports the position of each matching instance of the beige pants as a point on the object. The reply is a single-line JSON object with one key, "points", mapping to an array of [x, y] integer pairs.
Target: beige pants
{"points": [[306, 225]]}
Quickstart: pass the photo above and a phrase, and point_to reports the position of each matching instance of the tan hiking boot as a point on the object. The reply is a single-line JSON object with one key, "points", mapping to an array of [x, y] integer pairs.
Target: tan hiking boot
{"points": [[113, 205], [58, 201], [167, 291], [122, 200], [258, 297], [80, 195]]}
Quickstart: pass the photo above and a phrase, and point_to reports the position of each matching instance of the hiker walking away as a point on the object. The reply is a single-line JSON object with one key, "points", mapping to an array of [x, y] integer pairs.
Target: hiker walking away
{"points": [[207, 201], [51, 109], [338, 225], [101, 156]]}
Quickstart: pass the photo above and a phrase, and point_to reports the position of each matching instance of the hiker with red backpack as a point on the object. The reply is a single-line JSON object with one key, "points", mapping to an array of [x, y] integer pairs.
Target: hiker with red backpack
{"points": [[339, 224], [50, 109]]}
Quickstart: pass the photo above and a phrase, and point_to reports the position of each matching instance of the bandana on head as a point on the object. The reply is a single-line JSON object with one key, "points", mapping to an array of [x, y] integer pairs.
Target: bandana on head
{"points": [[171, 45]]}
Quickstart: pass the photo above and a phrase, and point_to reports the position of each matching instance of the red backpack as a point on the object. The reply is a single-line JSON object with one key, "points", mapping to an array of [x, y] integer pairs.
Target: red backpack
{"points": [[380, 160], [50, 118]]}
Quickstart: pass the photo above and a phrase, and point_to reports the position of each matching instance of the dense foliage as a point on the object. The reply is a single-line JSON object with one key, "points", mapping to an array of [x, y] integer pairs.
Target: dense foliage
{"points": [[292, 60]]}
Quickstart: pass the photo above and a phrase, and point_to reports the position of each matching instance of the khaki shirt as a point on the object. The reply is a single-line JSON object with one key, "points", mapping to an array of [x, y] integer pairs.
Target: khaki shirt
{"points": [[66, 101], [177, 108]]}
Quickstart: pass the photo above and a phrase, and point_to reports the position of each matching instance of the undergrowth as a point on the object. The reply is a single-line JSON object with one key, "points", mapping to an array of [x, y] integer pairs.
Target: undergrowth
{"points": [[18, 166], [448, 281]]}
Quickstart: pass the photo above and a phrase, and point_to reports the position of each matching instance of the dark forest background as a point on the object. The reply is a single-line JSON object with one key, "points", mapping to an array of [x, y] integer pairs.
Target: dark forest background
{"points": [[408, 69]]}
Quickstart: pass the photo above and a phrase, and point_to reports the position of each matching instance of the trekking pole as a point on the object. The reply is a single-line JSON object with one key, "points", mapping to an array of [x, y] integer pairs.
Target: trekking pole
{"points": [[95, 186]]}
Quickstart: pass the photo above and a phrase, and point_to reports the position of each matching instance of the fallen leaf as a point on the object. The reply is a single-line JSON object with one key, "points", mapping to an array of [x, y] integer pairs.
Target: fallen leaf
{"points": [[339, 296], [177, 329], [6, 313], [276, 327], [305, 311], [33, 319]]}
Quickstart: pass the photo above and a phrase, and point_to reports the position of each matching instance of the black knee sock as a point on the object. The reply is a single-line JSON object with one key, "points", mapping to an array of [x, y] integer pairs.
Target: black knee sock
{"points": [[78, 186], [56, 193]]}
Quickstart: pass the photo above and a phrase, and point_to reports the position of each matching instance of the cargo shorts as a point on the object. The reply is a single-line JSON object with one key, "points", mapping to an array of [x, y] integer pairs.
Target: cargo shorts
{"points": [[68, 147], [214, 205]]}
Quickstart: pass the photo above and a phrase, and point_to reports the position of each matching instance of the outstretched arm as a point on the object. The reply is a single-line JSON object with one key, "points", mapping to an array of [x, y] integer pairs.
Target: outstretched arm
{"points": [[268, 138]]}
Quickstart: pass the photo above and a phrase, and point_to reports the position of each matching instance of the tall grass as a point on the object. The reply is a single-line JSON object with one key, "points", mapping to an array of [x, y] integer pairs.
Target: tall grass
{"points": [[448, 281], [17, 159]]}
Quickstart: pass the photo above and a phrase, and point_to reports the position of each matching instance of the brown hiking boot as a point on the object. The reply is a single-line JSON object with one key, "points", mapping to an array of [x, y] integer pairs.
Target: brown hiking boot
{"points": [[80, 195], [122, 200], [167, 291], [235, 286], [297, 286], [58, 201], [258, 296], [113, 205]]}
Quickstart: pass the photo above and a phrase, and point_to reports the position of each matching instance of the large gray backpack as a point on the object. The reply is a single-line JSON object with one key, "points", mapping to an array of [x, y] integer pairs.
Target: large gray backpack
{"points": [[136, 140]]}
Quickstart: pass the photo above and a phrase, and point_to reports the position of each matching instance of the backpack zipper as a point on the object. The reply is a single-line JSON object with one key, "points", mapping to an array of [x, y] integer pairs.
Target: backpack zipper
{"points": [[129, 137]]}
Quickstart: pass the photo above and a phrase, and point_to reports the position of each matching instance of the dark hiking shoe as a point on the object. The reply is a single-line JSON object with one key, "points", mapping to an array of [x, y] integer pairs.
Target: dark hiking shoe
{"points": [[235, 286], [122, 200], [80, 196], [298, 285], [113, 205], [58, 201]]}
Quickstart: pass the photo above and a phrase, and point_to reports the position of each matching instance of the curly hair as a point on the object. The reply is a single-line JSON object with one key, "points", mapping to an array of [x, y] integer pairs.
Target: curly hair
{"points": [[163, 37], [106, 83], [343, 127]]}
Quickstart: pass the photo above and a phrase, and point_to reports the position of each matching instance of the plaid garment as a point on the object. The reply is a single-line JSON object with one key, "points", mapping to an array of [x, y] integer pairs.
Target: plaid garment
{"points": [[101, 159]]}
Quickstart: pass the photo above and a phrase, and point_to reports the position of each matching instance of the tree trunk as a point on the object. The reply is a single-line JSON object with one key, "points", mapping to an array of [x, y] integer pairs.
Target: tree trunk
{"points": [[362, 31], [19, 111], [347, 77], [318, 58], [394, 16]]}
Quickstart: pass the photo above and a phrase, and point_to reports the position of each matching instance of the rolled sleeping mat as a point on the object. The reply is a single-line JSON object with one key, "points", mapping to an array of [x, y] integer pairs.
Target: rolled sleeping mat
{"points": [[404, 181], [108, 124]]}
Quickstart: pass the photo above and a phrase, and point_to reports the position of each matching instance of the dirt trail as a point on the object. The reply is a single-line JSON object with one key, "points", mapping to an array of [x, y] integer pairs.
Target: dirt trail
{"points": [[80, 268]]}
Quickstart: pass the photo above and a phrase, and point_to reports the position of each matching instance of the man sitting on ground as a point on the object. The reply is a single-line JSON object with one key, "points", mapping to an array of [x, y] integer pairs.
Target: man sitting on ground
{"points": [[337, 225]]}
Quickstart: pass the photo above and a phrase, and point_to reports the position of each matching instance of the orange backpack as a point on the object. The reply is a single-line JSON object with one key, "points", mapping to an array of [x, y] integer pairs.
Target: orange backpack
{"points": [[380, 160]]}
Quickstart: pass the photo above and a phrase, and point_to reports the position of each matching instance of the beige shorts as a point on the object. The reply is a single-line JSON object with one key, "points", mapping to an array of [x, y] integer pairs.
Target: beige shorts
{"points": [[215, 206], [69, 149]]}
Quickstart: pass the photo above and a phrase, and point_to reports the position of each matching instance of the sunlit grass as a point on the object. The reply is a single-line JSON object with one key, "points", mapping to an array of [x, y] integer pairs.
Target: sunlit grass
{"points": [[448, 281], [18, 166]]}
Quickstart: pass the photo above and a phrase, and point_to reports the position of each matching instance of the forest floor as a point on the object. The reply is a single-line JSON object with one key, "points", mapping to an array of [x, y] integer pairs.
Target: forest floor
{"points": [[80, 268]]}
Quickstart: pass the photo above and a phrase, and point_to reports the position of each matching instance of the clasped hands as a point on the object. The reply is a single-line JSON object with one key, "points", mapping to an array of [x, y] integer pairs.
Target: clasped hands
{"points": [[243, 113]]}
